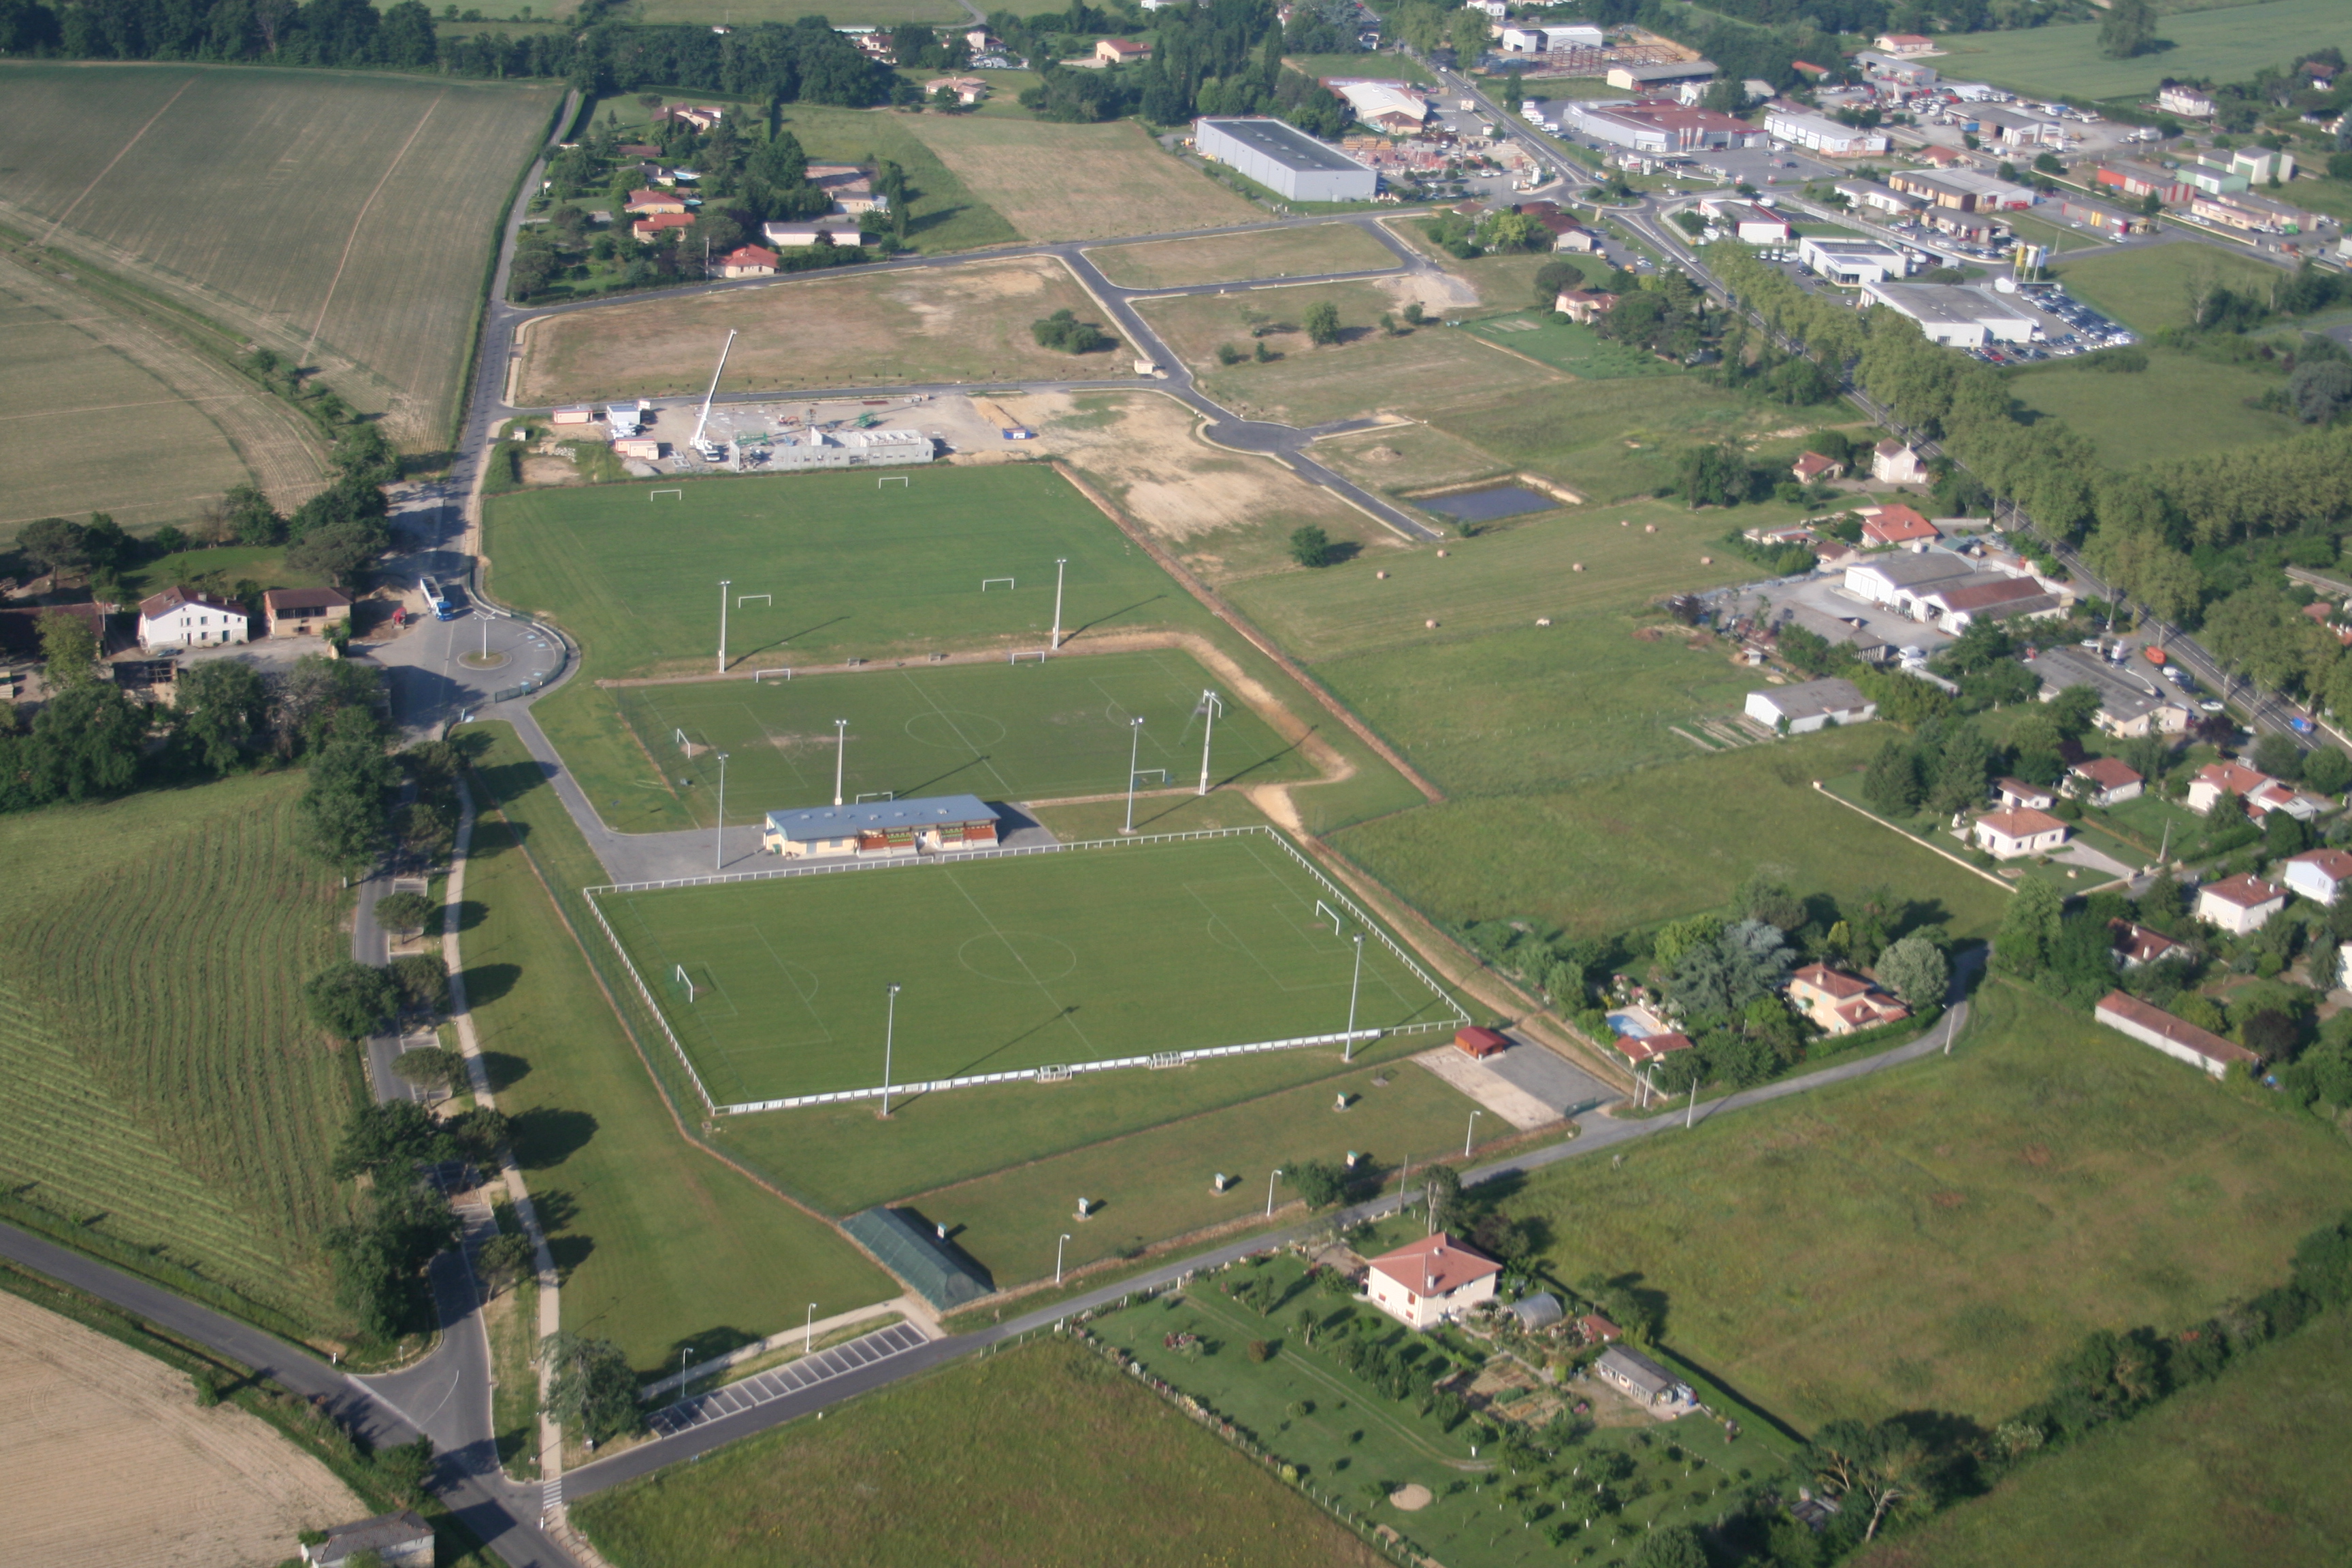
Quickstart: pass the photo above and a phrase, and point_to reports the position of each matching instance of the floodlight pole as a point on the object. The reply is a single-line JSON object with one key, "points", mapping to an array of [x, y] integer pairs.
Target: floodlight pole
{"points": [[1057, 1256], [1471, 1132], [889, 1032], [724, 583], [1691, 1116], [1269, 1191], [1059, 562], [1134, 754], [1209, 705], [810, 1326], [840, 754], [718, 835], [1347, 1051]]}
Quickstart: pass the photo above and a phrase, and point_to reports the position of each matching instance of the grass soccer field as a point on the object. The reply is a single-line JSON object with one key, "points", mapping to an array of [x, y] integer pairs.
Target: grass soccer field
{"points": [[341, 218], [856, 567], [1003, 731], [2225, 44], [1008, 965]]}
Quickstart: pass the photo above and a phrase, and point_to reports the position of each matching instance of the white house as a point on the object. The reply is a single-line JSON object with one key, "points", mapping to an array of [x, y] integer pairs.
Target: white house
{"points": [[1811, 706], [2105, 781], [2319, 874], [2006, 835], [2215, 779], [2240, 904], [1893, 463], [1431, 1281], [834, 231], [182, 617], [2176, 1037], [2017, 791], [2187, 101]]}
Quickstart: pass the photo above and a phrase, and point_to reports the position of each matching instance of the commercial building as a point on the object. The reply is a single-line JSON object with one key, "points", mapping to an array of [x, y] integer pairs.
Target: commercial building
{"points": [[1811, 705], [2175, 99], [1851, 261], [1386, 105], [1746, 221], [2129, 705], [1964, 190], [1649, 79], [1551, 39], [2112, 221], [2125, 177], [1285, 160], [1888, 68], [2250, 214], [1654, 125], [881, 829], [822, 231], [848, 449], [1961, 315], [1878, 198], [1816, 134]]}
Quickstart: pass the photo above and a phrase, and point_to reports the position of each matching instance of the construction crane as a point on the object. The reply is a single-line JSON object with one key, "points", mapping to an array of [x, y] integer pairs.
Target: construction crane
{"points": [[710, 451]]}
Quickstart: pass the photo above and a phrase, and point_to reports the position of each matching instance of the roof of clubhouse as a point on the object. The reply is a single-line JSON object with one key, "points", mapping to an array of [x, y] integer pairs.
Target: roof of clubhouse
{"points": [[880, 816]]}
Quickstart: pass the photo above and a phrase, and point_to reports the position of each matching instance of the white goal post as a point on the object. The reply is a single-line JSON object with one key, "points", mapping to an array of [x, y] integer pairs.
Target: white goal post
{"points": [[1036, 655], [1150, 775], [656, 495], [686, 979], [875, 794], [743, 599], [1324, 911], [887, 479], [986, 583], [760, 674]]}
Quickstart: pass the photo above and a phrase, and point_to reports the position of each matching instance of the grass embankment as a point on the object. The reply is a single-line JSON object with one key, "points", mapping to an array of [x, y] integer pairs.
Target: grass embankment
{"points": [[923, 1474], [660, 1245], [167, 1091], [1234, 257], [1932, 1237]]}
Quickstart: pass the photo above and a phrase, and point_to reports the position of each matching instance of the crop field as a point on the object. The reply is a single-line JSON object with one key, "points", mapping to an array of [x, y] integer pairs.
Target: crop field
{"points": [[2223, 1472], [1077, 182], [1564, 345], [2226, 44], [922, 1474], [1232, 258], [661, 1246], [345, 219], [844, 13], [2178, 407], [1623, 851], [164, 1084], [1003, 731], [1008, 965], [960, 323], [2149, 288], [1956, 1224]]}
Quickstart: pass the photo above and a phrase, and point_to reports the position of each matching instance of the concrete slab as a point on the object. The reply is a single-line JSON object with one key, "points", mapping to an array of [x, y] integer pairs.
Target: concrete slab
{"points": [[1488, 1088], [1550, 1077]]}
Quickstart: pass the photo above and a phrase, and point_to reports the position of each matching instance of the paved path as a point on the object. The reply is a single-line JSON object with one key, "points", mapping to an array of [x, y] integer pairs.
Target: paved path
{"points": [[796, 1376]]}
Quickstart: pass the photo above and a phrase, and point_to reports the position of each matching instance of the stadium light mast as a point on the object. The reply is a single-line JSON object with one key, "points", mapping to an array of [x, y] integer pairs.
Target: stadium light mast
{"points": [[1269, 1191], [1059, 562], [1471, 1132], [724, 583], [1209, 703], [840, 754], [889, 1030], [1057, 1256], [1347, 1051], [1134, 754], [810, 1327], [718, 834]]}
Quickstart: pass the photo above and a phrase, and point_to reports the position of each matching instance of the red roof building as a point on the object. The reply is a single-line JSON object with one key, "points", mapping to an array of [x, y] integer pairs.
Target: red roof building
{"points": [[2240, 904], [1431, 1281], [2135, 944], [647, 202], [1812, 465], [1841, 1003], [748, 261], [1477, 1042], [1897, 525], [2176, 1037], [1642, 1049], [649, 230]]}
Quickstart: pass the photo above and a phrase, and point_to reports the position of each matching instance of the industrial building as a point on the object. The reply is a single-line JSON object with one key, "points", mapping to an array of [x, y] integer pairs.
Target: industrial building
{"points": [[1285, 160], [1851, 261], [847, 449], [1816, 134], [1646, 125], [1649, 79], [1961, 315]]}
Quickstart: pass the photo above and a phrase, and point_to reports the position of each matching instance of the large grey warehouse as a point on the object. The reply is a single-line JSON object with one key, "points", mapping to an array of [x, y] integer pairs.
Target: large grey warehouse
{"points": [[1287, 161]]}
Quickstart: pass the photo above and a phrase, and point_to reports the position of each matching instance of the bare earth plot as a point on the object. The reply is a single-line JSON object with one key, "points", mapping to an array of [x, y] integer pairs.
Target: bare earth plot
{"points": [[962, 323], [111, 1461], [1230, 257], [346, 220], [1077, 182]]}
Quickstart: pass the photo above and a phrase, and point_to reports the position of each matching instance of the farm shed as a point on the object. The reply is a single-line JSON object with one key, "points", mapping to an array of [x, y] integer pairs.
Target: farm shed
{"points": [[919, 1253], [1637, 1376], [1478, 1042], [2176, 1037], [399, 1539], [1811, 705]]}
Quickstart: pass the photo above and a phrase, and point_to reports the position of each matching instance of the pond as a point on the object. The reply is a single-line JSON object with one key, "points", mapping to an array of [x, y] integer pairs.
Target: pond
{"points": [[1485, 506]]}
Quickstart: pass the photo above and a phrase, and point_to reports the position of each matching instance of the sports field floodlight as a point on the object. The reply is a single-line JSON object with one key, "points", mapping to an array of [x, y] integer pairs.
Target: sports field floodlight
{"points": [[1059, 562], [840, 754], [889, 1030], [724, 583], [1210, 704], [811, 1328], [1347, 1051], [1472, 1133], [1269, 1191], [1057, 1256], [718, 835], [1134, 754], [1690, 1117]]}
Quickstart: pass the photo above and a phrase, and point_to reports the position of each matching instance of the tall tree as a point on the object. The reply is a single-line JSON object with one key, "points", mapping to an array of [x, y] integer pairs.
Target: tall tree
{"points": [[223, 708], [2129, 29]]}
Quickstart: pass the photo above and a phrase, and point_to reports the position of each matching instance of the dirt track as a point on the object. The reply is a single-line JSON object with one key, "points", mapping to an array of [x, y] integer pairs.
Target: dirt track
{"points": [[111, 1461]]}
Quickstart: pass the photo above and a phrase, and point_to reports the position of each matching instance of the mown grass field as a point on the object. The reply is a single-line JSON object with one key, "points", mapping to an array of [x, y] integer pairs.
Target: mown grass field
{"points": [[1007, 964], [1003, 731], [2148, 288], [963, 323], [227, 565], [661, 1247], [1611, 440], [2178, 407], [2226, 43], [922, 1474], [2238, 1470], [1931, 1238], [1624, 851], [165, 1087], [1232, 257], [844, 13], [344, 219], [1564, 345]]}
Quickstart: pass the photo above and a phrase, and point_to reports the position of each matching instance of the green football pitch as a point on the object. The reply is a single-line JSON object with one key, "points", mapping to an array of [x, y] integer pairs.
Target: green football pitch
{"points": [[851, 565], [1003, 731], [1087, 955]]}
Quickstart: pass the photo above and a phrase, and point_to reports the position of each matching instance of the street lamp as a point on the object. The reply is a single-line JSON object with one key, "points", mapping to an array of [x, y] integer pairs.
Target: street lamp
{"points": [[840, 754], [718, 848], [1471, 1132], [724, 583], [889, 1032], [1209, 703], [810, 1326], [1134, 755], [1059, 562], [1269, 1191], [1348, 1049], [1057, 1256]]}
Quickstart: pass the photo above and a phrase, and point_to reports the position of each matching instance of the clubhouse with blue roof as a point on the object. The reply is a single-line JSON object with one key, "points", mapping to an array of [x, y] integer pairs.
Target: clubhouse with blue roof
{"points": [[882, 828]]}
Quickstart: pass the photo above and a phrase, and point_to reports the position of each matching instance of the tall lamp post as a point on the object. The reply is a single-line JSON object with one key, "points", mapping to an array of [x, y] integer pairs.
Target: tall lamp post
{"points": [[1057, 1256], [1471, 1132], [1134, 755], [718, 835], [889, 1032], [1059, 562], [1269, 1191], [810, 1327], [1347, 1051], [1209, 703], [840, 754], [724, 583]]}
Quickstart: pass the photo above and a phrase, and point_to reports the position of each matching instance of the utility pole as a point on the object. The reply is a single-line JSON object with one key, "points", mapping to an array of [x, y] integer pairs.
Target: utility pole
{"points": [[724, 583], [1269, 1191], [1057, 1256], [1134, 754], [1059, 564], [1691, 1116], [1471, 1132]]}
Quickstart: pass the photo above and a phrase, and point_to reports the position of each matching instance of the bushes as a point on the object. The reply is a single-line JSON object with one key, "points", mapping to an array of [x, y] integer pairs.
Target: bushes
{"points": [[351, 999], [1064, 331]]}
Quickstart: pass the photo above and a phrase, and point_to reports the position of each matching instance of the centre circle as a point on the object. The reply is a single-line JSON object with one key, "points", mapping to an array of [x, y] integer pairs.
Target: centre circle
{"points": [[956, 731], [1018, 957]]}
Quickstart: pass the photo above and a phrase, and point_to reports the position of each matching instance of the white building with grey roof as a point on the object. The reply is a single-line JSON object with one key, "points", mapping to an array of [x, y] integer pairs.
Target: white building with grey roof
{"points": [[1284, 160]]}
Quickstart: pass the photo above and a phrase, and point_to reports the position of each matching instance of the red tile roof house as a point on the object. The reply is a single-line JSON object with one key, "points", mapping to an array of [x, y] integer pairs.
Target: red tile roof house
{"points": [[2017, 791], [2277, 796], [1895, 525], [649, 230], [182, 617], [1120, 51], [304, 612], [2006, 834], [2105, 781], [1642, 1049], [647, 202], [2215, 779], [2240, 904], [2135, 944], [1812, 465], [1431, 1281], [2174, 1037], [748, 261], [2318, 875], [1840, 1003]]}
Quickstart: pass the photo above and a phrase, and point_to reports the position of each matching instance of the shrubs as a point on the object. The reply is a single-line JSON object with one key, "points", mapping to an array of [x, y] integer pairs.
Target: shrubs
{"points": [[1310, 546], [351, 999], [1064, 331]]}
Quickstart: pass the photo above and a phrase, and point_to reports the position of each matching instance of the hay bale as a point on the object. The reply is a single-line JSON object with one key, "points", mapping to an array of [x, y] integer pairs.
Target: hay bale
{"points": [[1707, 560], [1577, 566], [1543, 620], [1649, 528], [1383, 576], [1430, 624], [1441, 555]]}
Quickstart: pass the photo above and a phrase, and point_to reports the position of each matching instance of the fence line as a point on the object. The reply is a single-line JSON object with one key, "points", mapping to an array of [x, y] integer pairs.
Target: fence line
{"points": [[939, 857], [651, 1007]]}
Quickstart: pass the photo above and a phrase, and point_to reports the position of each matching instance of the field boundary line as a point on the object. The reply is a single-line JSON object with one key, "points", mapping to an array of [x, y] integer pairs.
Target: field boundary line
{"points": [[60, 221], [1932, 848], [367, 206]]}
